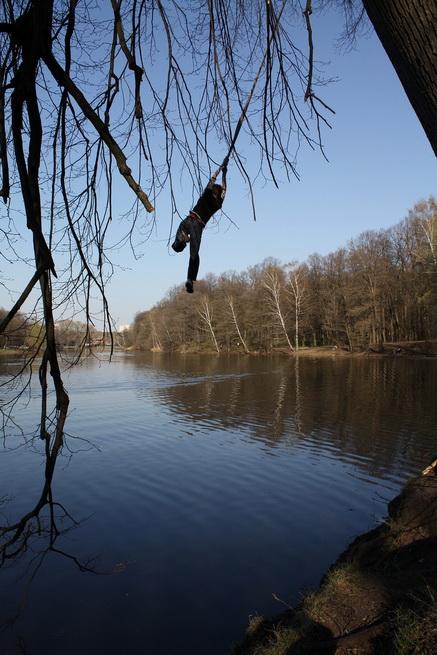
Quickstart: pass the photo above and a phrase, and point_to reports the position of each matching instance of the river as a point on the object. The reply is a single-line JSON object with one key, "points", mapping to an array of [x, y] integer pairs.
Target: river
{"points": [[194, 491]]}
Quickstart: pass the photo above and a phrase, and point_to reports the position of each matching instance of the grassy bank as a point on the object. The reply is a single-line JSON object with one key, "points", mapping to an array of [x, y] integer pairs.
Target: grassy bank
{"points": [[11, 352], [380, 597], [389, 349]]}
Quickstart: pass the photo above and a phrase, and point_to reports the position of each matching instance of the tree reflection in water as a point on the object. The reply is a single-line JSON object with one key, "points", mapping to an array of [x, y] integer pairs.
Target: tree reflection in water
{"points": [[354, 406], [35, 535]]}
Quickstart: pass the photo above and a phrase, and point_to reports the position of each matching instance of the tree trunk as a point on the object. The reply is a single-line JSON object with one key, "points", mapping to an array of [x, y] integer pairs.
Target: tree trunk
{"points": [[273, 286], [205, 313], [407, 31], [234, 318]]}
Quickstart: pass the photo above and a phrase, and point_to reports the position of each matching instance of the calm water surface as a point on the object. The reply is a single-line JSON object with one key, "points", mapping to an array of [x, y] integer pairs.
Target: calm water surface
{"points": [[201, 486]]}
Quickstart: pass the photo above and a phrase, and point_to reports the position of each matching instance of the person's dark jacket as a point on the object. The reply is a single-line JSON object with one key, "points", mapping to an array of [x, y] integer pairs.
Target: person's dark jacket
{"points": [[208, 204]]}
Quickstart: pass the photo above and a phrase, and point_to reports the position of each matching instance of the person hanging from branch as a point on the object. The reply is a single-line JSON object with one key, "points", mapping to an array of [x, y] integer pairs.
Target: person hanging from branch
{"points": [[191, 228]]}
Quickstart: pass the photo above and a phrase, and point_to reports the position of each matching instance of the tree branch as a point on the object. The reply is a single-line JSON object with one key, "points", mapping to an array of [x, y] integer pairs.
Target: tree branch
{"points": [[67, 83], [34, 279]]}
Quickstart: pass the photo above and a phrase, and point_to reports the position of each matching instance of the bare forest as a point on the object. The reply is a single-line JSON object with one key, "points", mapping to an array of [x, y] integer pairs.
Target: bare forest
{"points": [[381, 287]]}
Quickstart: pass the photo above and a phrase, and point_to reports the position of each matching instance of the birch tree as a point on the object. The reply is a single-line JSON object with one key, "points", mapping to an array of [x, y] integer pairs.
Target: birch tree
{"points": [[296, 290], [156, 341], [273, 287], [206, 314], [366, 293], [231, 305], [424, 215]]}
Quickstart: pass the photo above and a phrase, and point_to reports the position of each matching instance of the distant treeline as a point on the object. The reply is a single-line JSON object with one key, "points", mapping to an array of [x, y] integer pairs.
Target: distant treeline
{"points": [[382, 287], [25, 333]]}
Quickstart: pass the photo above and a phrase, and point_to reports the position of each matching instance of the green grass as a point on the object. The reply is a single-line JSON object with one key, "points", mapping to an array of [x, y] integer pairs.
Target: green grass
{"points": [[415, 630], [255, 623], [268, 640], [6, 352], [278, 642], [342, 579]]}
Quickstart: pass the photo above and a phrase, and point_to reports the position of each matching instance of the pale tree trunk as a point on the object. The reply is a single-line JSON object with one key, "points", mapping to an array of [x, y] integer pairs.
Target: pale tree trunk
{"points": [[169, 336], [429, 229], [156, 342], [407, 31], [272, 284], [205, 313], [349, 332], [297, 293], [234, 318]]}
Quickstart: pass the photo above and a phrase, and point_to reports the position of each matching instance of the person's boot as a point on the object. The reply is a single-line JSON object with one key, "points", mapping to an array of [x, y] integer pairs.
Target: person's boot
{"points": [[180, 242]]}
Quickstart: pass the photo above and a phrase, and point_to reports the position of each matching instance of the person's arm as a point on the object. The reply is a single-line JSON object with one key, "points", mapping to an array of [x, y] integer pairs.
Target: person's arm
{"points": [[224, 171], [213, 179]]}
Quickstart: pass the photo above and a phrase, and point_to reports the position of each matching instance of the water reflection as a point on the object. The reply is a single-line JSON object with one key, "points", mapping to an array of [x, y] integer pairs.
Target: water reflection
{"points": [[216, 479], [28, 541], [374, 411]]}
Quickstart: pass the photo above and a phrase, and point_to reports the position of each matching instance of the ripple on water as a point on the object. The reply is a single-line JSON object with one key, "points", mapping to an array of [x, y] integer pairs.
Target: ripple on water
{"points": [[217, 482]]}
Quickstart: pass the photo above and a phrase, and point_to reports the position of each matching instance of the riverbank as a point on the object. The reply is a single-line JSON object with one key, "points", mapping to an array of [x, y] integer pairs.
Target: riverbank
{"points": [[388, 349], [10, 352], [380, 597], [426, 348]]}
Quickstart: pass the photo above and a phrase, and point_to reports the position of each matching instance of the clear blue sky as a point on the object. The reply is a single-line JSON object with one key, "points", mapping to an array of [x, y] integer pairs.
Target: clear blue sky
{"points": [[380, 165]]}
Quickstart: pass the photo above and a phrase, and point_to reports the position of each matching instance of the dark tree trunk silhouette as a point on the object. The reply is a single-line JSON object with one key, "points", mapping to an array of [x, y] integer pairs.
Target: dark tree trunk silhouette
{"points": [[407, 30]]}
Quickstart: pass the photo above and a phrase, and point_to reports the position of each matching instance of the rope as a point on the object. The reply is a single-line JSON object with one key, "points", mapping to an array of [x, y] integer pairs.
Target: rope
{"points": [[249, 97]]}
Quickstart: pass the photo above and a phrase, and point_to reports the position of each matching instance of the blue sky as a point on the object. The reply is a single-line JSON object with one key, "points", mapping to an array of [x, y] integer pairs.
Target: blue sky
{"points": [[380, 165]]}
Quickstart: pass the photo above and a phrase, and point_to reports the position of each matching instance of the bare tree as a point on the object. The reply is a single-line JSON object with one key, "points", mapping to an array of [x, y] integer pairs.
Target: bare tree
{"points": [[273, 287], [296, 289], [156, 341], [206, 314], [231, 304], [359, 296], [424, 214]]}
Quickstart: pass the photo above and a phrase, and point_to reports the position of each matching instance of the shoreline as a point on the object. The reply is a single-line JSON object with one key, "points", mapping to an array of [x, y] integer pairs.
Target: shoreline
{"points": [[395, 349], [379, 597]]}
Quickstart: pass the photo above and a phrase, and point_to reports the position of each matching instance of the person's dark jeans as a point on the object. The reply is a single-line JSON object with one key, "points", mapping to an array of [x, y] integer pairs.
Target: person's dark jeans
{"points": [[193, 228]]}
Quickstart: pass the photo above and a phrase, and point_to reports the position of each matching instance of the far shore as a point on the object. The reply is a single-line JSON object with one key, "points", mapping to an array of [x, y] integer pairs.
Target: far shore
{"points": [[388, 349], [406, 349]]}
